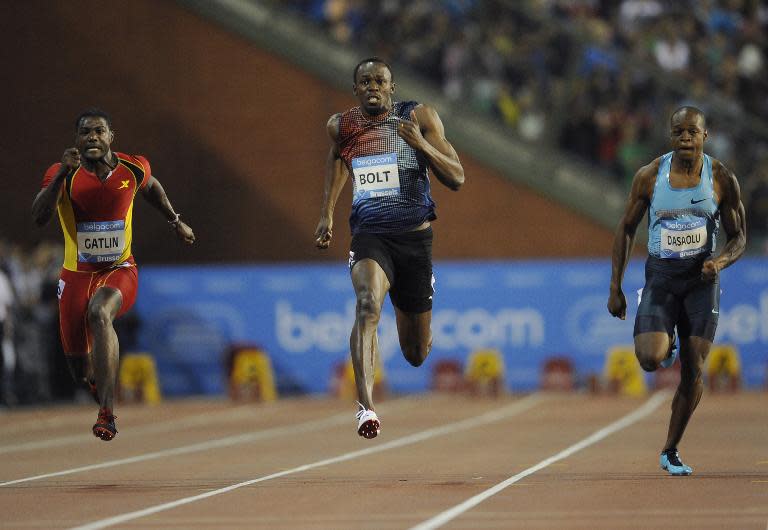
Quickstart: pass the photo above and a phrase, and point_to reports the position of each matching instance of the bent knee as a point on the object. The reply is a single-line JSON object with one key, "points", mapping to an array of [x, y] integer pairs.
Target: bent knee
{"points": [[648, 361], [368, 307], [416, 354], [99, 316]]}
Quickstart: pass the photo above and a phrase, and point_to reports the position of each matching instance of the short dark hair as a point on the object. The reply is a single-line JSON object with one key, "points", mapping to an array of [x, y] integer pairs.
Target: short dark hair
{"points": [[373, 59], [93, 112], [692, 109]]}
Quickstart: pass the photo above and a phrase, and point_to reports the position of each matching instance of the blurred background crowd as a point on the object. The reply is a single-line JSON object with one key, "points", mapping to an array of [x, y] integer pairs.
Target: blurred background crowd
{"points": [[591, 77], [33, 365]]}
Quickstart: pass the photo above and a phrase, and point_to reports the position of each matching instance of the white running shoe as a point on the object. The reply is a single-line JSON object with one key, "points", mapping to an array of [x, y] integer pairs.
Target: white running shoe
{"points": [[368, 424]]}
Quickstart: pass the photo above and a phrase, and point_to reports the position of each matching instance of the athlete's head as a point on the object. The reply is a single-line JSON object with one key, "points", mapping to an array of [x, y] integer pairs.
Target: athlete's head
{"points": [[93, 134], [688, 130], [373, 85], [93, 112]]}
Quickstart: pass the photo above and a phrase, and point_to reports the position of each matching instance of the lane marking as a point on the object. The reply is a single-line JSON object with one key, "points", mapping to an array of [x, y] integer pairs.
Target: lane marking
{"points": [[647, 408], [450, 428], [204, 418], [27, 424], [228, 441], [193, 420], [20, 422]]}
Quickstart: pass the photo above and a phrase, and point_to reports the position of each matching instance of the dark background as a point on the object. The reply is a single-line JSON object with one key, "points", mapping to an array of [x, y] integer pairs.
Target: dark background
{"points": [[235, 134]]}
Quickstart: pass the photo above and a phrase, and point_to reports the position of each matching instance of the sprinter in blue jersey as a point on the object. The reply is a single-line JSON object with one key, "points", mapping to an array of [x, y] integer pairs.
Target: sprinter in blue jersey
{"points": [[387, 148], [688, 195]]}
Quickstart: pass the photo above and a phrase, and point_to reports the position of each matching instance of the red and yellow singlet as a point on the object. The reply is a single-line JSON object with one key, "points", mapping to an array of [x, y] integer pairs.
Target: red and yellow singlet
{"points": [[96, 215]]}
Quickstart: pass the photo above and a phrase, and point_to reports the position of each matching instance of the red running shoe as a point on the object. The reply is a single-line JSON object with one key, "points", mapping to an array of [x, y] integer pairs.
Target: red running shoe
{"points": [[104, 427]]}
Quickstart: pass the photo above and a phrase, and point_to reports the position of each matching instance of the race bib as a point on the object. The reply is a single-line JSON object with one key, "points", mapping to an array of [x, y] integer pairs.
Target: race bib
{"points": [[376, 176], [683, 239], [100, 241]]}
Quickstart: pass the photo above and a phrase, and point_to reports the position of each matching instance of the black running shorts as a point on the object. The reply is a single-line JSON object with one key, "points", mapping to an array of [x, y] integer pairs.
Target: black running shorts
{"points": [[675, 295], [407, 261]]}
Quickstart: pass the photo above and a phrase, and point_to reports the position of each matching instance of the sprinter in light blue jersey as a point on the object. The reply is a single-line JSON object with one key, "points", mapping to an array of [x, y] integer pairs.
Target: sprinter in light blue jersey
{"points": [[388, 148], [688, 196]]}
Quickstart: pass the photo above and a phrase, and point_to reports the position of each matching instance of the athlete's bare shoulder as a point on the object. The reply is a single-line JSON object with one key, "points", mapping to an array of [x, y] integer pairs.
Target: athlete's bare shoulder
{"points": [[333, 126], [427, 115], [726, 184], [721, 172], [645, 178], [652, 168]]}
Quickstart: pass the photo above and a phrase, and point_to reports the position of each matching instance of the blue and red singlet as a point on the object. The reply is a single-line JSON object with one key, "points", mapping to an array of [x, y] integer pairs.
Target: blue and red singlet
{"points": [[390, 189]]}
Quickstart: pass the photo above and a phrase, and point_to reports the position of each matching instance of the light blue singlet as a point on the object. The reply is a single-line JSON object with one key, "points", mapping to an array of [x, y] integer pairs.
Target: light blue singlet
{"points": [[683, 222]]}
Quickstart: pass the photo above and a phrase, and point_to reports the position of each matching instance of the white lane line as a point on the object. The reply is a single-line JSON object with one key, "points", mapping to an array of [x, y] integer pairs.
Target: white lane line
{"points": [[228, 441], [489, 417], [647, 408], [193, 420], [17, 425], [206, 418], [194, 448]]}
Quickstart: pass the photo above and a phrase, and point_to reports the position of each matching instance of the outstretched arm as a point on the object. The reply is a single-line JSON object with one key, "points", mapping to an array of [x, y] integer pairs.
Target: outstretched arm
{"points": [[425, 133], [336, 174], [733, 218], [155, 195], [624, 239]]}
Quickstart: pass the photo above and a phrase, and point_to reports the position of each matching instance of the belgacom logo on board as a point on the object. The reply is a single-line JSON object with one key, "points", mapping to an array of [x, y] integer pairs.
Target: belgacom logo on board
{"points": [[469, 328]]}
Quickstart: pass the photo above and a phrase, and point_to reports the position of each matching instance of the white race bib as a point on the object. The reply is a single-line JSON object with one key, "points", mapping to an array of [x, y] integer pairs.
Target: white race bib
{"points": [[376, 176], [683, 239], [100, 241]]}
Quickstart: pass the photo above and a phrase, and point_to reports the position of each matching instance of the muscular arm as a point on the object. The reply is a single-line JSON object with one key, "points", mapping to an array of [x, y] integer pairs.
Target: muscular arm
{"points": [[336, 174], [425, 132], [624, 239], [733, 219], [155, 195], [45, 200]]}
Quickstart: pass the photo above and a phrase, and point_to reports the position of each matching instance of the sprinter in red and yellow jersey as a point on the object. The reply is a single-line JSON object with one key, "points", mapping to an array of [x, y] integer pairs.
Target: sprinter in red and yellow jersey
{"points": [[93, 188]]}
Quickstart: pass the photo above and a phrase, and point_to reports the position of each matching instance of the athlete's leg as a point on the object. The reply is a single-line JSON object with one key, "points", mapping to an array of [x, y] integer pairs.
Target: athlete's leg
{"points": [[371, 286], [81, 369], [693, 352], [651, 348], [75, 340], [102, 310], [415, 334]]}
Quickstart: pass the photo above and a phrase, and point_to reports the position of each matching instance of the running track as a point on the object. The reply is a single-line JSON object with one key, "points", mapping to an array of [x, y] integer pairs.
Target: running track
{"points": [[543, 461]]}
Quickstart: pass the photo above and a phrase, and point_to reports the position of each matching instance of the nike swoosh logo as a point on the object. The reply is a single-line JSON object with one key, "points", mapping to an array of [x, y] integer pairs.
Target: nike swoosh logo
{"points": [[696, 202], [715, 312]]}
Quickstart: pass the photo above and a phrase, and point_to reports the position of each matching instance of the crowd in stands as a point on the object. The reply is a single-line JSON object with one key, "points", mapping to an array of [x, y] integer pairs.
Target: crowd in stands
{"points": [[33, 366], [596, 78]]}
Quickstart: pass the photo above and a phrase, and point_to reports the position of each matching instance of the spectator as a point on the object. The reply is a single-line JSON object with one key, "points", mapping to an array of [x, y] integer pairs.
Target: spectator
{"points": [[7, 353], [586, 63]]}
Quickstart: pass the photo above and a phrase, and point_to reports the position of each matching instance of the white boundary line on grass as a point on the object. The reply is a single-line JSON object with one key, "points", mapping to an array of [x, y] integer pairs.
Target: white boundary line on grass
{"points": [[489, 417], [647, 408]]}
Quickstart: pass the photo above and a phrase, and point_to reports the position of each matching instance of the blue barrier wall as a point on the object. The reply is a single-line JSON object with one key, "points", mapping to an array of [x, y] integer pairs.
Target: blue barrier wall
{"points": [[302, 315]]}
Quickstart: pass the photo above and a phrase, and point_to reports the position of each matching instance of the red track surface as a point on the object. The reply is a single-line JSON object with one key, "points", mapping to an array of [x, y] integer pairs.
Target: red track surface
{"points": [[180, 450]]}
